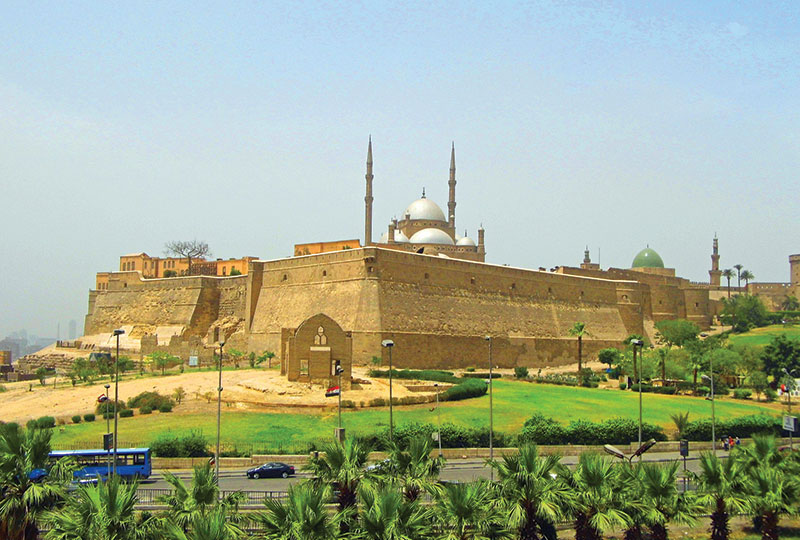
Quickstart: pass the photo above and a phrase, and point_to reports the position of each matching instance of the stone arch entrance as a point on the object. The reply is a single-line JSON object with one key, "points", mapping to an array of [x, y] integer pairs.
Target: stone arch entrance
{"points": [[311, 350]]}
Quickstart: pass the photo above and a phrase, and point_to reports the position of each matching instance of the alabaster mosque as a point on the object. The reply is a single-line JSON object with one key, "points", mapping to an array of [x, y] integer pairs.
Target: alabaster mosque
{"points": [[421, 284]]}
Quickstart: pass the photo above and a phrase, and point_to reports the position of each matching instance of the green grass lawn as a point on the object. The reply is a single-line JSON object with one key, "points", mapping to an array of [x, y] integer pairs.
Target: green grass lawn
{"points": [[762, 336], [514, 402]]}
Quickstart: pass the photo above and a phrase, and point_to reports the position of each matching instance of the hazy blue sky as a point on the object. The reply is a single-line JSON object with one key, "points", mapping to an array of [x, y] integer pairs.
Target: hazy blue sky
{"points": [[124, 125]]}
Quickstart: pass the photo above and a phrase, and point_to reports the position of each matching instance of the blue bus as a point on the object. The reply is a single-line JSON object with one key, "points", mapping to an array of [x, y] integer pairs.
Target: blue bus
{"points": [[131, 463]]}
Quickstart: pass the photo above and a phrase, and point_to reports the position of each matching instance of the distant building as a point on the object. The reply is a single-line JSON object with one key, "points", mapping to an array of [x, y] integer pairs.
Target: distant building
{"points": [[157, 267]]}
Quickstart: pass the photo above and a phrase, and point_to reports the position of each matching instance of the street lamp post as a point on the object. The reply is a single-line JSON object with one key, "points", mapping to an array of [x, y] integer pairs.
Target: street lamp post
{"points": [[388, 344], [219, 414], [339, 370], [439, 419], [108, 430], [491, 411], [639, 343], [789, 389], [118, 332]]}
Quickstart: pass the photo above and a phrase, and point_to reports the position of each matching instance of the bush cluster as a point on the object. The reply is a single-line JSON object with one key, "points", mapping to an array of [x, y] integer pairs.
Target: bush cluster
{"points": [[101, 407], [145, 410], [192, 445], [521, 372], [154, 400], [417, 374], [744, 426], [452, 436], [467, 388], [555, 378], [165, 407], [89, 417], [543, 430], [669, 390], [742, 393], [43, 422], [481, 375], [126, 413], [76, 419]]}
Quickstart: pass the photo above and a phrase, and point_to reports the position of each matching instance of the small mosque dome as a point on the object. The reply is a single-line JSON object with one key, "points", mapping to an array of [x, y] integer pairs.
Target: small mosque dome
{"points": [[647, 258], [425, 209], [399, 237], [431, 236], [466, 241]]}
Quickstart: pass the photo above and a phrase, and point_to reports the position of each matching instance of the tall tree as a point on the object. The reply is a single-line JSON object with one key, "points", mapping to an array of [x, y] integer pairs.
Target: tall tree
{"points": [[790, 303], [579, 330], [303, 516], [779, 354], [470, 512], [747, 276], [728, 274], [388, 515], [677, 332], [342, 464], [738, 275], [597, 507], [23, 454], [190, 249], [414, 468], [663, 501]]}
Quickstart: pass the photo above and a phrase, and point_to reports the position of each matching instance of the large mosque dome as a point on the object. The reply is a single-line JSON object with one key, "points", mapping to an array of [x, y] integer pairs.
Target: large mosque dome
{"points": [[425, 209], [398, 237], [465, 241], [431, 236], [647, 258]]}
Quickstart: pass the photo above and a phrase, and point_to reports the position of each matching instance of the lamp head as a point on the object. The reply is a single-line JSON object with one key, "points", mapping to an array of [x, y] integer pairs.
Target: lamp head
{"points": [[487, 338], [647, 445], [107, 386], [617, 453], [637, 342], [387, 343], [118, 332], [221, 344]]}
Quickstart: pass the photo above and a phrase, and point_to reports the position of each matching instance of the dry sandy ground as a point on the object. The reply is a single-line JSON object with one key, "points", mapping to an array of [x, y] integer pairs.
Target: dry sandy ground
{"points": [[244, 389]]}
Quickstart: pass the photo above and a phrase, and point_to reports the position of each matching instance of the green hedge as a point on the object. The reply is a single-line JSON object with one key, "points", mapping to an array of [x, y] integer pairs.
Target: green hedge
{"points": [[43, 422], [192, 445], [468, 388], [417, 374], [165, 407], [563, 380], [76, 419], [453, 436], [543, 430], [145, 410], [484, 375], [89, 417], [744, 426], [742, 393], [126, 413]]}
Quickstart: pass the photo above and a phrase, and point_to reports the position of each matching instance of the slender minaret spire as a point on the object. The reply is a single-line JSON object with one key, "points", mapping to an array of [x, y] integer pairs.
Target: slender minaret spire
{"points": [[714, 274], [368, 198], [586, 258], [451, 204]]}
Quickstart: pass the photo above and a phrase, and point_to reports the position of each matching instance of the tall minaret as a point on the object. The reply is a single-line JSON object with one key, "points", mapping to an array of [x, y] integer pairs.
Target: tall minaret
{"points": [[451, 204], [368, 198], [714, 273]]}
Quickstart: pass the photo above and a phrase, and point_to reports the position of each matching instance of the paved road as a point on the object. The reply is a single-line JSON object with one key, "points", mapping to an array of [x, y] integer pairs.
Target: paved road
{"points": [[462, 470]]}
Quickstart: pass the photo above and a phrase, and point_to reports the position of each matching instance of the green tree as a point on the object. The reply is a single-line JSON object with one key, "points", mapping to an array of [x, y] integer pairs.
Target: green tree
{"points": [[163, 360], [772, 493], [265, 356], [758, 382], [303, 516], [676, 332], [779, 354], [579, 331], [663, 501], [721, 489], [728, 274], [744, 312], [41, 374], [387, 515], [24, 501], [414, 468], [179, 393], [342, 464], [747, 276], [469, 512], [681, 421], [533, 490], [237, 356], [790, 303], [609, 356], [214, 526], [738, 275], [100, 512], [597, 505]]}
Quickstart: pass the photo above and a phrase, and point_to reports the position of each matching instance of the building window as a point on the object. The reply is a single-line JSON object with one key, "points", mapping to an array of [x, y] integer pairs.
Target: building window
{"points": [[224, 270], [427, 275], [304, 366], [324, 273], [285, 277]]}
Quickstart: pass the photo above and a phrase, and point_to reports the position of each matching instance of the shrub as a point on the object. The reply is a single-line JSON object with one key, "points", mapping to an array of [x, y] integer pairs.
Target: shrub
{"points": [[744, 426], [623, 386], [76, 419], [721, 390], [420, 374], [470, 369], [669, 390], [154, 400], [145, 410], [468, 388], [43, 422], [520, 372], [703, 391], [3, 389], [377, 402], [89, 417], [191, 445], [126, 413], [543, 430], [101, 407], [742, 393], [170, 273], [564, 380], [483, 375], [770, 394], [645, 387], [165, 408]]}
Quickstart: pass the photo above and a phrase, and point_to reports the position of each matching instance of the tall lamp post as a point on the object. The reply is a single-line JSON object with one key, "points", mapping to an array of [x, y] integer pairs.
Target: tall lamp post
{"points": [[789, 388], [491, 411], [388, 344], [108, 430], [219, 414], [713, 412], [439, 419], [639, 343], [118, 332]]}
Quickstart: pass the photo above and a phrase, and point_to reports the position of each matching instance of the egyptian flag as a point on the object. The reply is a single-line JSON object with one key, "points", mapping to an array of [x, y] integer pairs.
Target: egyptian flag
{"points": [[333, 391], [102, 398]]}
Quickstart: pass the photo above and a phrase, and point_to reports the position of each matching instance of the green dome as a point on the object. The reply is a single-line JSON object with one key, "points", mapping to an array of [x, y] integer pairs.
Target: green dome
{"points": [[647, 258]]}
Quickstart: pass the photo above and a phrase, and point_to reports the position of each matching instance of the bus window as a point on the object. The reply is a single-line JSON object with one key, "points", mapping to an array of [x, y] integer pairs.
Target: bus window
{"points": [[138, 459]]}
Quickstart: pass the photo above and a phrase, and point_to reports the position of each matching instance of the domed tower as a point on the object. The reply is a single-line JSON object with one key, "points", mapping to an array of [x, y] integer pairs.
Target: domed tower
{"points": [[715, 274], [649, 262]]}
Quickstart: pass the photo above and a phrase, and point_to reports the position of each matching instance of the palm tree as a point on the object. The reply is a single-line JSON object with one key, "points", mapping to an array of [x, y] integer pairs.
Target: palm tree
{"points": [[303, 516], [213, 526], [342, 464], [469, 512], [103, 511], [594, 482], [681, 421], [747, 276], [533, 491], [661, 358], [416, 470], [728, 274], [579, 330], [738, 275], [388, 515], [661, 497], [23, 501], [790, 303], [772, 492], [721, 489]]}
